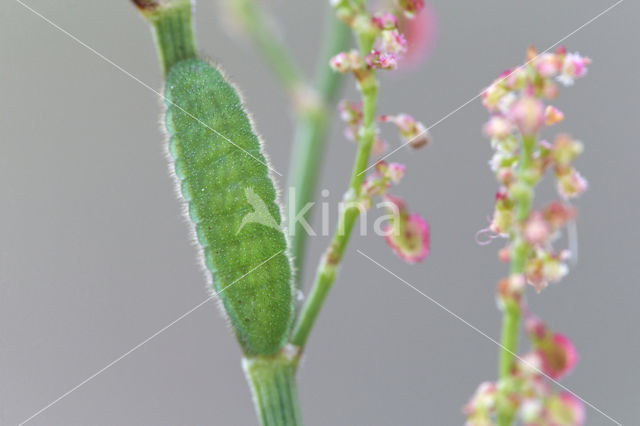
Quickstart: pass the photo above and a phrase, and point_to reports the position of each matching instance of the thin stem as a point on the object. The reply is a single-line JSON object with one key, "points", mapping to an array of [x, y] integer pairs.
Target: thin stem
{"points": [[310, 135], [312, 106], [172, 30], [326, 272], [273, 386], [257, 25], [512, 310]]}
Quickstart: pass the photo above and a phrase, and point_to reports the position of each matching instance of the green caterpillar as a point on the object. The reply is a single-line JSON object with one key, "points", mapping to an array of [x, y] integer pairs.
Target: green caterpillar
{"points": [[232, 203]]}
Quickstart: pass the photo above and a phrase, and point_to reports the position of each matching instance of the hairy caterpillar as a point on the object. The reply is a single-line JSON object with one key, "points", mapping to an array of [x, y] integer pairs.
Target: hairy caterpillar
{"points": [[224, 179]]}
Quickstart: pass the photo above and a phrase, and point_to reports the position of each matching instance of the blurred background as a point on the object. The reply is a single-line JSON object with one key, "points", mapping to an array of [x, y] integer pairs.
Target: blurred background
{"points": [[95, 256]]}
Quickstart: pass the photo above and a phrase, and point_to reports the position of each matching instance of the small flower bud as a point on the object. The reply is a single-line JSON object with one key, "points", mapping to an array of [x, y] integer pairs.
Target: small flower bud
{"points": [[381, 60], [391, 41], [504, 254], [564, 409], [565, 150], [413, 132], [558, 214], [379, 147], [498, 127], [344, 62], [552, 115], [340, 63], [571, 184], [558, 355], [536, 230], [502, 221], [548, 65], [492, 95], [553, 270], [574, 66], [528, 114], [385, 20], [350, 112], [411, 7], [395, 172], [407, 234]]}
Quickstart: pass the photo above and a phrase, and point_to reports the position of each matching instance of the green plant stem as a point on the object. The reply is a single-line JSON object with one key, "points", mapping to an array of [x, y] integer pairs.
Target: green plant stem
{"points": [[257, 26], [273, 386], [311, 105], [326, 272], [172, 30], [512, 309], [310, 136]]}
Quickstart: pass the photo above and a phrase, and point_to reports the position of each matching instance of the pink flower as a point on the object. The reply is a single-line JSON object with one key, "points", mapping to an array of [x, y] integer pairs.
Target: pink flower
{"points": [[537, 230], [346, 61], [407, 234], [484, 397], [552, 115], [558, 214], [392, 171], [528, 114], [574, 66], [565, 150], [391, 41], [565, 409], [385, 20], [559, 356], [410, 7], [571, 184], [498, 127], [548, 64], [340, 63], [413, 132], [350, 112], [379, 147], [381, 60]]}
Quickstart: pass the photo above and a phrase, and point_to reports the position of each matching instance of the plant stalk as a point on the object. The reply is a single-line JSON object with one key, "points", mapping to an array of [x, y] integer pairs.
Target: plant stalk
{"points": [[273, 387], [172, 29], [512, 309], [326, 272], [310, 136]]}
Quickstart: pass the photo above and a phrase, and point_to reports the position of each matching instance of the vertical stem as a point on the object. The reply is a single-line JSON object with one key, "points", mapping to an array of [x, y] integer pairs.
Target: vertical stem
{"points": [[172, 30], [273, 386], [326, 272], [512, 314], [256, 24], [309, 142]]}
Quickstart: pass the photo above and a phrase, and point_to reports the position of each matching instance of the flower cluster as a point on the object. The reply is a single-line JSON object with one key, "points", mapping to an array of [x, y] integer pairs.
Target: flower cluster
{"points": [[390, 44], [553, 356], [516, 101], [351, 114], [544, 265], [382, 45], [406, 233], [412, 132]]}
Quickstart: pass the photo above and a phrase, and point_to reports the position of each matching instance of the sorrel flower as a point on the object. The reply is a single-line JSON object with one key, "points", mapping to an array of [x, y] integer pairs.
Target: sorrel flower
{"points": [[564, 409], [344, 62], [412, 132], [557, 353], [527, 114], [411, 7], [518, 114], [481, 406], [407, 234]]}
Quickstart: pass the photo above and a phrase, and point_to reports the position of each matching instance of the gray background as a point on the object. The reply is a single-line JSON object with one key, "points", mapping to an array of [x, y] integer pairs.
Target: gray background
{"points": [[95, 256]]}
